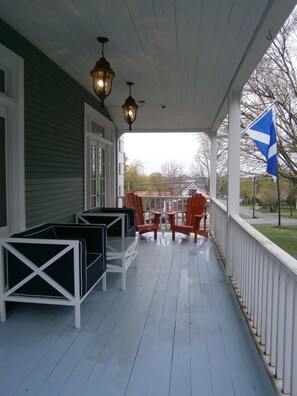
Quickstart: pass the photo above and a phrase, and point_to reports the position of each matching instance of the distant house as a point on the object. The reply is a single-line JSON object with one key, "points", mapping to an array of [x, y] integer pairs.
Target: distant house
{"points": [[195, 187]]}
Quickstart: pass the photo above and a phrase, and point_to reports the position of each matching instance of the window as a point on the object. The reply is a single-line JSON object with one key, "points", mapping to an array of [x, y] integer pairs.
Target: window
{"points": [[97, 129], [121, 169], [2, 80], [121, 191], [12, 178], [3, 208], [121, 146]]}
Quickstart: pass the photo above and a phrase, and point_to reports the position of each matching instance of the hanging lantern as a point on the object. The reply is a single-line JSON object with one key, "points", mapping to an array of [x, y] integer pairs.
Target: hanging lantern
{"points": [[102, 75], [130, 108]]}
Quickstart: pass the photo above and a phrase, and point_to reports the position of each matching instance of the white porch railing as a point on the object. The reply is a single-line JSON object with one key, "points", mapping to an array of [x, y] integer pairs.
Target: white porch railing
{"points": [[265, 280], [164, 205], [218, 224]]}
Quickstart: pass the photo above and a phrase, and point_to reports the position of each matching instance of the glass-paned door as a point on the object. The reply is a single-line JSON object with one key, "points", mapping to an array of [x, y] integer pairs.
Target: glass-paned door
{"points": [[97, 174], [3, 173], [2, 81]]}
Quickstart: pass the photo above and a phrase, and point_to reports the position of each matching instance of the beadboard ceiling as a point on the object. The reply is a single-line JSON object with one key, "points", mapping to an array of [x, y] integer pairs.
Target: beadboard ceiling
{"points": [[182, 55]]}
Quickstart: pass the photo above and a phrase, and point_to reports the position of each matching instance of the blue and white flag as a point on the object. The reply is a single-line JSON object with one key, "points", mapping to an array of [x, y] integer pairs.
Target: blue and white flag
{"points": [[263, 132]]}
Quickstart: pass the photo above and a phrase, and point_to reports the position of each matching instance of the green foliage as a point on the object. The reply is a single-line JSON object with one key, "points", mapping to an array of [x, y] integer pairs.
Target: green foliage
{"points": [[170, 180], [265, 191], [135, 179], [247, 190], [158, 182], [222, 186]]}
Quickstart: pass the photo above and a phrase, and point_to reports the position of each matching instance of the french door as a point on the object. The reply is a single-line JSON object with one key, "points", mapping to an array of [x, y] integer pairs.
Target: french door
{"points": [[100, 166], [97, 174]]}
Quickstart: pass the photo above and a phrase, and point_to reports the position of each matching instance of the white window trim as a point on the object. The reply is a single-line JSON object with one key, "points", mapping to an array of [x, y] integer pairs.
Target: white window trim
{"points": [[13, 100], [93, 115]]}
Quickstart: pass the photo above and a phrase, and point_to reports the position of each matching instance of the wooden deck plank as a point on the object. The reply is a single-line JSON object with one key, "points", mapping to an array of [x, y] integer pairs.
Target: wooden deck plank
{"points": [[24, 357], [125, 358], [155, 349], [74, 370], [101, 352], [221, 378], [176, 330], [63, 340], [62, 367], [104, 360], [200, 364], [236, 337], [180, 383]]}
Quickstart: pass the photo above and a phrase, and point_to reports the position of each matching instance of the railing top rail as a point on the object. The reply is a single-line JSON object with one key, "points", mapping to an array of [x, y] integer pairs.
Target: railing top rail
{"points": [[219, 204], [165, 196]]}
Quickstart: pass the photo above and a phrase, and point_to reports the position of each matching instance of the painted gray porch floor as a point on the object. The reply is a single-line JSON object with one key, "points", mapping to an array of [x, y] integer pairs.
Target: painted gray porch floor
{"points": [[176, 330]]}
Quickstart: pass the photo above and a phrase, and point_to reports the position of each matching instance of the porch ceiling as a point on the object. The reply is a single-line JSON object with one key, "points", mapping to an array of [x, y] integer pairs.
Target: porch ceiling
{"points": [[184, 54]]}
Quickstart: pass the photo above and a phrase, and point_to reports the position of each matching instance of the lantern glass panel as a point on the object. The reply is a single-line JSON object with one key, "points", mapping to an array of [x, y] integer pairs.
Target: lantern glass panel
{"points": [[102, 83]]}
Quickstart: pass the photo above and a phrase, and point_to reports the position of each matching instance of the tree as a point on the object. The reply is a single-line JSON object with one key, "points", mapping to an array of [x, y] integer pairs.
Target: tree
{"points": [[175, 177], [275, 79], [267, 191], [158, 182], [201, 164], [135, 179], [222, 186], [247, 190]]}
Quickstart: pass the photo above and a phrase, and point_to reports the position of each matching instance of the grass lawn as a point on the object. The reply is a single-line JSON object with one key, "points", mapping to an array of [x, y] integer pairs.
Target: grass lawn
{"points": [[286, 212], [284, 237]]}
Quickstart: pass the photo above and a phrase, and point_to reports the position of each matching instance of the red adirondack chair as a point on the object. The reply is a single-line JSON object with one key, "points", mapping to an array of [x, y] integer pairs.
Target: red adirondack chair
{"points": [[194, 213], [132, 200]]}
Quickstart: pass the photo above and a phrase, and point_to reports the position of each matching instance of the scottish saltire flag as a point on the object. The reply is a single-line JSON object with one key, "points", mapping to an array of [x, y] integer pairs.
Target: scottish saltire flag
{"points": [[263, 132]]}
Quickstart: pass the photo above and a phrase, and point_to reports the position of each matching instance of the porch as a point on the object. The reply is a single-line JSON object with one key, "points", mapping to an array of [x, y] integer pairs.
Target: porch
{"points": [[177, 330]]}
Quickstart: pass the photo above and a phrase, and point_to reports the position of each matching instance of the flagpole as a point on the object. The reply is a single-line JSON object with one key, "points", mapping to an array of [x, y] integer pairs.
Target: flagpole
{"points": [[277, 183], [278, 196], [254, 198], [259, 116]]}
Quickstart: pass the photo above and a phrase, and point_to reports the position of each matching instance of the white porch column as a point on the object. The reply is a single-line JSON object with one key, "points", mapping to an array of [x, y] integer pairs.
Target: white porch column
{"points": [[213, 170], [233, 166], [213, 164], [234, 153]]}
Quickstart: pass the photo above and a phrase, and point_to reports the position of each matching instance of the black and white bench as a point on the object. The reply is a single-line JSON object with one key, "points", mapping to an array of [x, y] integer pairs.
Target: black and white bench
{"points": [[52, 264]]}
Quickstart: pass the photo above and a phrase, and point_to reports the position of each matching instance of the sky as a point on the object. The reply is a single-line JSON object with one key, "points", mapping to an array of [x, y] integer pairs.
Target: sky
{"points": [[154, 149]]}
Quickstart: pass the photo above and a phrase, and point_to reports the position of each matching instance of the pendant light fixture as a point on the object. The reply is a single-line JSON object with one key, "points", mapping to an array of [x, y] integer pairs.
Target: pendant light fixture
{"points": [[130, 108], [102, 75]]}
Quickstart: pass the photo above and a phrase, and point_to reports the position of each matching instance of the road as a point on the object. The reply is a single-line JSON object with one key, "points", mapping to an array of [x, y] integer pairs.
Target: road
{"points": [[264, 218]]}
